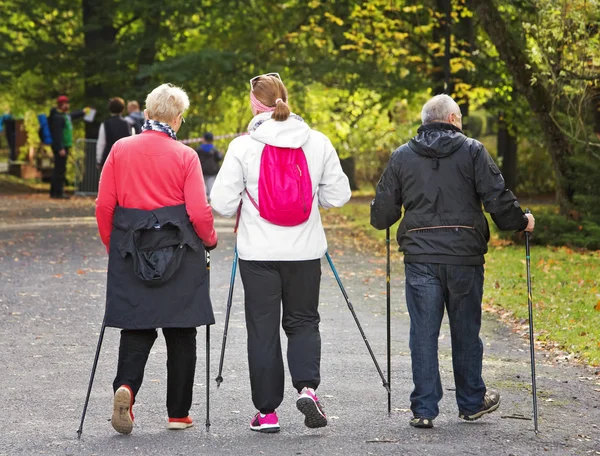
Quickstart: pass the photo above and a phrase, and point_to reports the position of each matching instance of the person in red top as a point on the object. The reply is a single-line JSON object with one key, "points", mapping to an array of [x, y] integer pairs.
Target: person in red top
{"points": [[151, 204]]}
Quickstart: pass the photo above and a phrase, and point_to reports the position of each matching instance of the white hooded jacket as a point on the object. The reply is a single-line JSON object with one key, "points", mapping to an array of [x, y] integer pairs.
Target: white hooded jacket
{"points": [[259, 240]]}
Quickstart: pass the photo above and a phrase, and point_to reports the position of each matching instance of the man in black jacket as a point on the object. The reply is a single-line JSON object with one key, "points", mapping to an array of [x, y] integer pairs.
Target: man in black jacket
{"points": [[441, 177]]}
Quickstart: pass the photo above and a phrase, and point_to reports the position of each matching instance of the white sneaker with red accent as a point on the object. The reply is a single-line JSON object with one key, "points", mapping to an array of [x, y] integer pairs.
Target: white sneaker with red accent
{"points": [[308, 403], [268, 423]]}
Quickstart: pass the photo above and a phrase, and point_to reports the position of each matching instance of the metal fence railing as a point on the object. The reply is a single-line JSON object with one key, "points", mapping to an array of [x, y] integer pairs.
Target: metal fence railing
{"points": [[87, 174]]}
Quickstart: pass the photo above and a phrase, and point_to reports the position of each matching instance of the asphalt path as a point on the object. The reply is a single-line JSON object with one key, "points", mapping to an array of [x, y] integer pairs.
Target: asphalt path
{"points": [[52, 286]]}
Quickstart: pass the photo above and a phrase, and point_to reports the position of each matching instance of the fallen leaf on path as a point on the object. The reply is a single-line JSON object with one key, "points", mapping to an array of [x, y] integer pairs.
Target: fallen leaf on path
{"points": [[57, 276], [81, 272]]}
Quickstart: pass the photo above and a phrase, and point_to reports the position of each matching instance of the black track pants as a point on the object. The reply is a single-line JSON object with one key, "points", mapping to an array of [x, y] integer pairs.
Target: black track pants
{"points": [[268, 285]]}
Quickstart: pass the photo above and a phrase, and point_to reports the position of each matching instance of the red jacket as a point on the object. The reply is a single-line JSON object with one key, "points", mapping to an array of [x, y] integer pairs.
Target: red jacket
{"points": [[150, 171]]}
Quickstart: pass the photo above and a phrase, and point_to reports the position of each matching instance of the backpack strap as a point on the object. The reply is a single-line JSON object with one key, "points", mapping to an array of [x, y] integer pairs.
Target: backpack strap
{"points": [[252, 200]]}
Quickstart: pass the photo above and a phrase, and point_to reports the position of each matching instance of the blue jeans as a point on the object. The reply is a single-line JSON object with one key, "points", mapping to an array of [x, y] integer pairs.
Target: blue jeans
{"points": [[430, 287]]}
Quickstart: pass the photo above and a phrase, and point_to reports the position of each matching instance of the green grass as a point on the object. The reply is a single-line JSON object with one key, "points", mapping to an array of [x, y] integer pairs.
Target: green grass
{"points": [[11, 184], [566, 285]]}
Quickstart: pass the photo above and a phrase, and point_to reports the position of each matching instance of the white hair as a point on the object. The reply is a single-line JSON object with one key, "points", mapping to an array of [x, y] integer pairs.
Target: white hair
{"points": [[438, 109], [166, 102]]}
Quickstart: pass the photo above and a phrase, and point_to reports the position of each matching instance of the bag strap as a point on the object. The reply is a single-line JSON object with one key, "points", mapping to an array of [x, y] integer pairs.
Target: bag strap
{"points": [[252, 200]]}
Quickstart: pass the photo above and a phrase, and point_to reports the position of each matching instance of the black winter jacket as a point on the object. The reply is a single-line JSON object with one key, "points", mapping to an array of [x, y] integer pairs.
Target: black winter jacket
{"points": [[115, 128], [441, 177], [157, 276]]}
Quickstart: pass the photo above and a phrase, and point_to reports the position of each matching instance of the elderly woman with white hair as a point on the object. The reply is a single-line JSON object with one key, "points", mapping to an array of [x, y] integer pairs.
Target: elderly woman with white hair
{"points": [[154, 219]]}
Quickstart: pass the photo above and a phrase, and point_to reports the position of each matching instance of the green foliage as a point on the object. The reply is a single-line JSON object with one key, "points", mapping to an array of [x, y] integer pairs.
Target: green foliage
{"points": [[359, 70], [535, 171], [554, 229]]}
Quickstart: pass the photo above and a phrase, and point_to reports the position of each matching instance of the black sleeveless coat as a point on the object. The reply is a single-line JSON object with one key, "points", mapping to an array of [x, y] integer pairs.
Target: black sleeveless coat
{"points": [[157, 276]]}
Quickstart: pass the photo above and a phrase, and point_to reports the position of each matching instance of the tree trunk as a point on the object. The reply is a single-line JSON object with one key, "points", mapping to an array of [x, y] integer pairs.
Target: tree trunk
{"points": [[512, 51], [99, 36], [442, 82], [147, 54], [507, 149], [465, 38]]}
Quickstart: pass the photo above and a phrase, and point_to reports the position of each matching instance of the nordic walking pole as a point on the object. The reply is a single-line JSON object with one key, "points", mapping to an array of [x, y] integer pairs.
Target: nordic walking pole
{"points": [[531, 341], [208, 353], [389, 319], [386, 385], [219, 378], [207, 378], [89, 391]]}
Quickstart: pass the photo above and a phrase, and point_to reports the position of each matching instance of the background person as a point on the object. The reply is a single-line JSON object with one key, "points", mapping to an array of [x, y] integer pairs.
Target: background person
{"points": [[134, 116], [280, 264], [441, 177], [111, 130], [210, 158], [153, 218], [61, 130]]}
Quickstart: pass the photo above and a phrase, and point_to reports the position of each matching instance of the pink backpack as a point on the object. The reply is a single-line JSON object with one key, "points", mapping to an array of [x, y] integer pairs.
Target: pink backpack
{"points": [[284, 186]]}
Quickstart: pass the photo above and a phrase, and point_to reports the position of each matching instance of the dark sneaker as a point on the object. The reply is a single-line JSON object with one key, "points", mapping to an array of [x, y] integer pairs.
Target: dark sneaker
{"points": [[491, 402], [308, 403], [419, 422], [267, 424]]}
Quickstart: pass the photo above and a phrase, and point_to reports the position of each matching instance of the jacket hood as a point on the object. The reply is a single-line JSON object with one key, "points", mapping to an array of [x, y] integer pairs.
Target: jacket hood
{"points": [[293, 132], [55, 111], [437, 140]]}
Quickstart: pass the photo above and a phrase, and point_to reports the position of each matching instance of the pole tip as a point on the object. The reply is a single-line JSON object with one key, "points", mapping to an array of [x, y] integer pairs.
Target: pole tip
{"points": [[78, 434]]}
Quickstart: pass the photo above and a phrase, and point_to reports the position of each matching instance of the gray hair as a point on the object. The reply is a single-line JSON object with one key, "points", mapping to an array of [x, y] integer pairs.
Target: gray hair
{"points": [[438, 109], [166, 102]]}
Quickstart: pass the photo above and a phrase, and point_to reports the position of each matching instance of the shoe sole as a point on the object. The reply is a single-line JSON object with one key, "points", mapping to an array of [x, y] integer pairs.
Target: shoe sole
{"points": [[266, 429], [478, 415], [179, 426], [121, 419], [312, 416]]}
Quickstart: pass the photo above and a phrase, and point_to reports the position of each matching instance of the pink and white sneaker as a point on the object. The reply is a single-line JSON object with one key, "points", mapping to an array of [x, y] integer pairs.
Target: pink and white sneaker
{"points": [[269, 423], [308, 403]]}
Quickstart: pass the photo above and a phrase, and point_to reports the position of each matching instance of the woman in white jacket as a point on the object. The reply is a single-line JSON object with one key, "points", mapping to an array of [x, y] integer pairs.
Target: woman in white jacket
{"points": [[280, 264]]}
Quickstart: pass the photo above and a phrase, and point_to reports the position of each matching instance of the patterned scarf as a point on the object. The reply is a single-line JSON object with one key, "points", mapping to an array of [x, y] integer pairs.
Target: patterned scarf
{"points": [[155, 125]]}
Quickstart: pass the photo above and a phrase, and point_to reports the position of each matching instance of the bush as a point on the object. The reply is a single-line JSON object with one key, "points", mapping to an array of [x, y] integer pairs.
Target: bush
{"points": [[585, 173], [475, 126], [557, 230]]}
